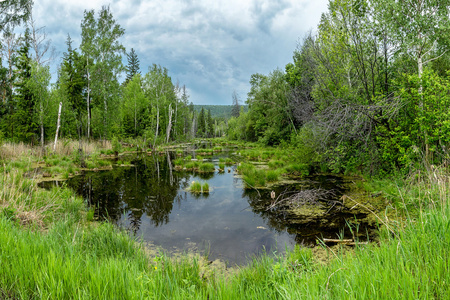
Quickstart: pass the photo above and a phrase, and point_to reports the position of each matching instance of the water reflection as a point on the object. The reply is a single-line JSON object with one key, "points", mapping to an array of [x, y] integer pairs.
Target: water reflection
{"points": [[151, 200]]}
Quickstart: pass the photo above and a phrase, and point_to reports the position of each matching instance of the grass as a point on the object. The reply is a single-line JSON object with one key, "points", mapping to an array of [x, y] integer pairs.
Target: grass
{"points": [[206, 167], [272, 175], [196, 187], [205, 187], [229, 161]]}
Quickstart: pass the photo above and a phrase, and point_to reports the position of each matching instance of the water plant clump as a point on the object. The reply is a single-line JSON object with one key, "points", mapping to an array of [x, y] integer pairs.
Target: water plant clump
{"points": [[205, 187], [196, 187], [272, 175], [178, 162], [229, 161], [206, 167]]}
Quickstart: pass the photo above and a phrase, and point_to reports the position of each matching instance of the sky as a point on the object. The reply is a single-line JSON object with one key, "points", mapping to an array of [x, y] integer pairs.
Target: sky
{"points": [[211, 46]]}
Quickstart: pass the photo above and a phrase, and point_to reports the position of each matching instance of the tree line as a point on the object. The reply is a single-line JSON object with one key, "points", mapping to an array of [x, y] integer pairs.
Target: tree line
{"points": [[95, 104], [368, 90]]}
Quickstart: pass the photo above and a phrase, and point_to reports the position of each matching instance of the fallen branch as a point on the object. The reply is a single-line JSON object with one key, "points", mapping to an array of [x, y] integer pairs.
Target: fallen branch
{"points": [[349, 242]]}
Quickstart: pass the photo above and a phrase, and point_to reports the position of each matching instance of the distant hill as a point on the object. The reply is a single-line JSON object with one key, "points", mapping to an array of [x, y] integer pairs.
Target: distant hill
{"points": [[218, 111]]}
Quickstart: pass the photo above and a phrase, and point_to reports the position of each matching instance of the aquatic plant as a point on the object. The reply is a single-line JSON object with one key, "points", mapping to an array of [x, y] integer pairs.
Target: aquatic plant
{"points": [[298, 169], [229, 161], [274, 164], [178, 162], [190, 166], [272, 175], [205, 187], [206, 167], [196, 187]]}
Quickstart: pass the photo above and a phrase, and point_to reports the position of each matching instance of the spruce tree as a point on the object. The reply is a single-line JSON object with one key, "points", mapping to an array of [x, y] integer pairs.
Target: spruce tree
{"points": [[133, 65], [201, 128], [25, 125]]}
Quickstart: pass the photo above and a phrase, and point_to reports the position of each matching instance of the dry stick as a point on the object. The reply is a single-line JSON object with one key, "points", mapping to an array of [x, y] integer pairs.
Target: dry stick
{"points": [[381, 220]]}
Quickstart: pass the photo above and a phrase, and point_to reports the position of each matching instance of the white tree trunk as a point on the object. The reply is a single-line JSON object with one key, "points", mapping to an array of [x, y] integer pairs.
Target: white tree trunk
{"points": [[41, 121], [88, 100], [157, 126], [169, 126], [58, 124]]}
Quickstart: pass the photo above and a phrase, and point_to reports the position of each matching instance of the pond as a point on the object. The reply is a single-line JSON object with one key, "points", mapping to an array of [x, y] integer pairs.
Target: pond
{"points": [[230, 223]]}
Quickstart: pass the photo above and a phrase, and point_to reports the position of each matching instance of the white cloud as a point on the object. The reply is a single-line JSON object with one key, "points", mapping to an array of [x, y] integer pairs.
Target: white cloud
{"points": [[211, 46]]}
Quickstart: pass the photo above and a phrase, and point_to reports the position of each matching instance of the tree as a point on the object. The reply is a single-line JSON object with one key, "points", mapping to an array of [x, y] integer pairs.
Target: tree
{"points": [[24, 125], [135, 105], [133, 65], [40, 44], [235, 110], [158, 87], [88, 31], [100, 42], [201, 128], [38, 84], [72, 81], [420, 29], [14, 12]]}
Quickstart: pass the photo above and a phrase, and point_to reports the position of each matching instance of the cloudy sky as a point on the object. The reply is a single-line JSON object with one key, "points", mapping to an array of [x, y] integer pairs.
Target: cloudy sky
{"points": [[212, 47]]}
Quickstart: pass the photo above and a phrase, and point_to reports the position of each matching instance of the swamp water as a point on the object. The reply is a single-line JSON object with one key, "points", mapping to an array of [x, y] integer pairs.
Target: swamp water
{"points": [[229, 223]]}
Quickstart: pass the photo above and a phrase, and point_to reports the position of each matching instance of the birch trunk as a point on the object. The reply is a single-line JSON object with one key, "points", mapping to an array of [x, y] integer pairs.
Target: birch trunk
{"points": [[169, 126], [58, 124], [41, 121], [88, 100], [157, 125]]}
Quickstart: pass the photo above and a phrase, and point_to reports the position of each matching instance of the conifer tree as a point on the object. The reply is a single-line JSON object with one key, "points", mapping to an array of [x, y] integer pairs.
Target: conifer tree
{"points": [[24, 123], [133, 65]]}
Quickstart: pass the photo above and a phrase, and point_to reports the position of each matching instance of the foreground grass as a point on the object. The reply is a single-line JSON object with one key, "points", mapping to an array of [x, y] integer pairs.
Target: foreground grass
{"points": [[98, 262], [48, 250]]}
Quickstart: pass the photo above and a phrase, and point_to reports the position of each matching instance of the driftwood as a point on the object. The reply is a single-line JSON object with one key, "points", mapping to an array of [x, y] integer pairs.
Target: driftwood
{"points": [[349, 242]]}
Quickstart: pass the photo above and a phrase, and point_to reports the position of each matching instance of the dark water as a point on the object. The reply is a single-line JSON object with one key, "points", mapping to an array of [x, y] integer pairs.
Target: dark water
{"points": [[231, 223]]}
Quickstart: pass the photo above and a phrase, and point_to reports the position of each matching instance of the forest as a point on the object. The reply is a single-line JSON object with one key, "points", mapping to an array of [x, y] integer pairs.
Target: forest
{"points": [[95, 104], [368, 91]]}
